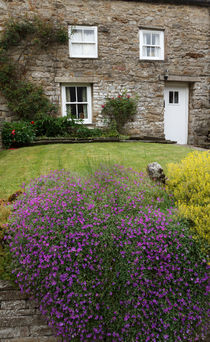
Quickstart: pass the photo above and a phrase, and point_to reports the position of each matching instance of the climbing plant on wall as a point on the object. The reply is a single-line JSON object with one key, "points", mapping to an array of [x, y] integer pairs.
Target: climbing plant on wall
{"points": [[26, 100]]}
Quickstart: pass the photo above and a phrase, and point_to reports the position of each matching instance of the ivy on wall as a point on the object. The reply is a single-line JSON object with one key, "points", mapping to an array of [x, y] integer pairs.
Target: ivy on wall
{"points": [[26, 100]]}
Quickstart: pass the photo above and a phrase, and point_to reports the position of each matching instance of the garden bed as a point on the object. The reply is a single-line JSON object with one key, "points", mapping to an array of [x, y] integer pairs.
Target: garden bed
{"points": [[114, 218], [80, 236]]}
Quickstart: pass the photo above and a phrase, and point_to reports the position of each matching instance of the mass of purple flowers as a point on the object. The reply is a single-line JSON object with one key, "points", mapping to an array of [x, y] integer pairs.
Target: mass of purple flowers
{"points": [[106, 259]]}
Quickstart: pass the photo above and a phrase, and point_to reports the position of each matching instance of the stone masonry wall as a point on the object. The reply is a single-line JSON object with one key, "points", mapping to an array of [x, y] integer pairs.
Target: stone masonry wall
{"points": [[20, 320], [118, 66]]}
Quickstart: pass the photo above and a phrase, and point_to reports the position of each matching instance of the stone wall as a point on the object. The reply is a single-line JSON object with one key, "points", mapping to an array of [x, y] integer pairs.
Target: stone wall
{"points": [[20, 320], [118, 66]]}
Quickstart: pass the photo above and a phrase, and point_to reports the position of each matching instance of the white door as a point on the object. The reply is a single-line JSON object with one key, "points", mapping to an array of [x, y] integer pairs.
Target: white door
{"points": [[176, 113]]}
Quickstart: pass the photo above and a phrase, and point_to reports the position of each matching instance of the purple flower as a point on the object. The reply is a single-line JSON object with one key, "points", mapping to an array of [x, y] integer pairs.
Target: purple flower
{"points": [[103, 260]]}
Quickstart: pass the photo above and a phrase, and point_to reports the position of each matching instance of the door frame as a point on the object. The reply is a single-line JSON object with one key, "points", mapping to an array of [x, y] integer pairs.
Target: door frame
{"points": [[178, 85]]}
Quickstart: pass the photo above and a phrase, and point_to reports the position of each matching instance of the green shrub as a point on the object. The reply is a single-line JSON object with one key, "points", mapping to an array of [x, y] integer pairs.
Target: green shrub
{"points": [[190, 183], [16, 31], [85, 132], [111, 130], [17, 134], [42, 32], [63, 126], [53, 126], [119, 110], [26, 100], [7, 72], [22, 133]]}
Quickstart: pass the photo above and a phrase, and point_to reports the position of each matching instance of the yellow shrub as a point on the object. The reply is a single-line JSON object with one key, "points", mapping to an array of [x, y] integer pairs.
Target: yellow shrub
{"points": [[189, 181]]}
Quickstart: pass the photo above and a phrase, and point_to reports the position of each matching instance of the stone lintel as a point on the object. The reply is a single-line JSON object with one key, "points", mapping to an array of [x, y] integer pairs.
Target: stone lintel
{"points": [[151, 27], [175, 78], [88, 79]]}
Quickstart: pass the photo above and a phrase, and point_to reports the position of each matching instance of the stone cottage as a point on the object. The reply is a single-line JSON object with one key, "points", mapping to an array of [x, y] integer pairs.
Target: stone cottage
{"points": [[155, 49]]}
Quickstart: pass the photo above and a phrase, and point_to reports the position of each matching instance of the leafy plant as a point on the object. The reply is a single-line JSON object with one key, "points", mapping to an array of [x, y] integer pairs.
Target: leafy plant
{"points": [[28, 101], [85, 132], [119, 110], [106, 264], [17, 134], [52, 126], [25, 99], [189, 181], [111, 130], [63, 126], [42, 32]]}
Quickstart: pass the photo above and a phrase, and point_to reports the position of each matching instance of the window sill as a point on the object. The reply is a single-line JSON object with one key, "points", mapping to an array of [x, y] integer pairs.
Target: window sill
{"points": [[83, 58], [151, 60], [80, 121]]}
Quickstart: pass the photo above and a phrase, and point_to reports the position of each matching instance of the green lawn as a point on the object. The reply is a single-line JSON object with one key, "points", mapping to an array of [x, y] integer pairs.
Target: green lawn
{"points": [[20, 165]]}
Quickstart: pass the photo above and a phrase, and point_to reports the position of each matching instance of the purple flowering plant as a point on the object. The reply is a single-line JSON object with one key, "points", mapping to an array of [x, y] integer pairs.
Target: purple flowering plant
{"points": [[106, 259]]}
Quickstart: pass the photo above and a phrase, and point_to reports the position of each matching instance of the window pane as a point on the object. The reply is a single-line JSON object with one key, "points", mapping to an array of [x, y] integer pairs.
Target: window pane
{"points": [[144, 51], [82, 111], [155, 39], [89, 35], [176, 97], [89, 50], [76, 50], [157, 52], [71, 109], [148, 52], [152, 52], [171, 97], [76, 35], [81, 94], [147, 38], [70, 94]]}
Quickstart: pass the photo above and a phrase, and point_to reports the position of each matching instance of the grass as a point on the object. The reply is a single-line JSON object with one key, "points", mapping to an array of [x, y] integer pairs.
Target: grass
{"points": [[21, 165]]}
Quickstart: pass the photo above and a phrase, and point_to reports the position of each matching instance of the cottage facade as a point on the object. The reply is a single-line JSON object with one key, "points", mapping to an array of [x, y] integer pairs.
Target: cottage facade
{"points": [[157, 50]]}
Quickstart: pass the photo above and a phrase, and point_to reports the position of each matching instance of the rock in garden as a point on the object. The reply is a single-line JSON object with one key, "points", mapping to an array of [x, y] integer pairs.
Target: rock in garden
{"points": [[155, 172]]}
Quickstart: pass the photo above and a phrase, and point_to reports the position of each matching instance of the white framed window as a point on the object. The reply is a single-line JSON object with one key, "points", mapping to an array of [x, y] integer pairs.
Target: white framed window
{"points": [[151, 44], [83, 41], [173, 97], [77, 101]]}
